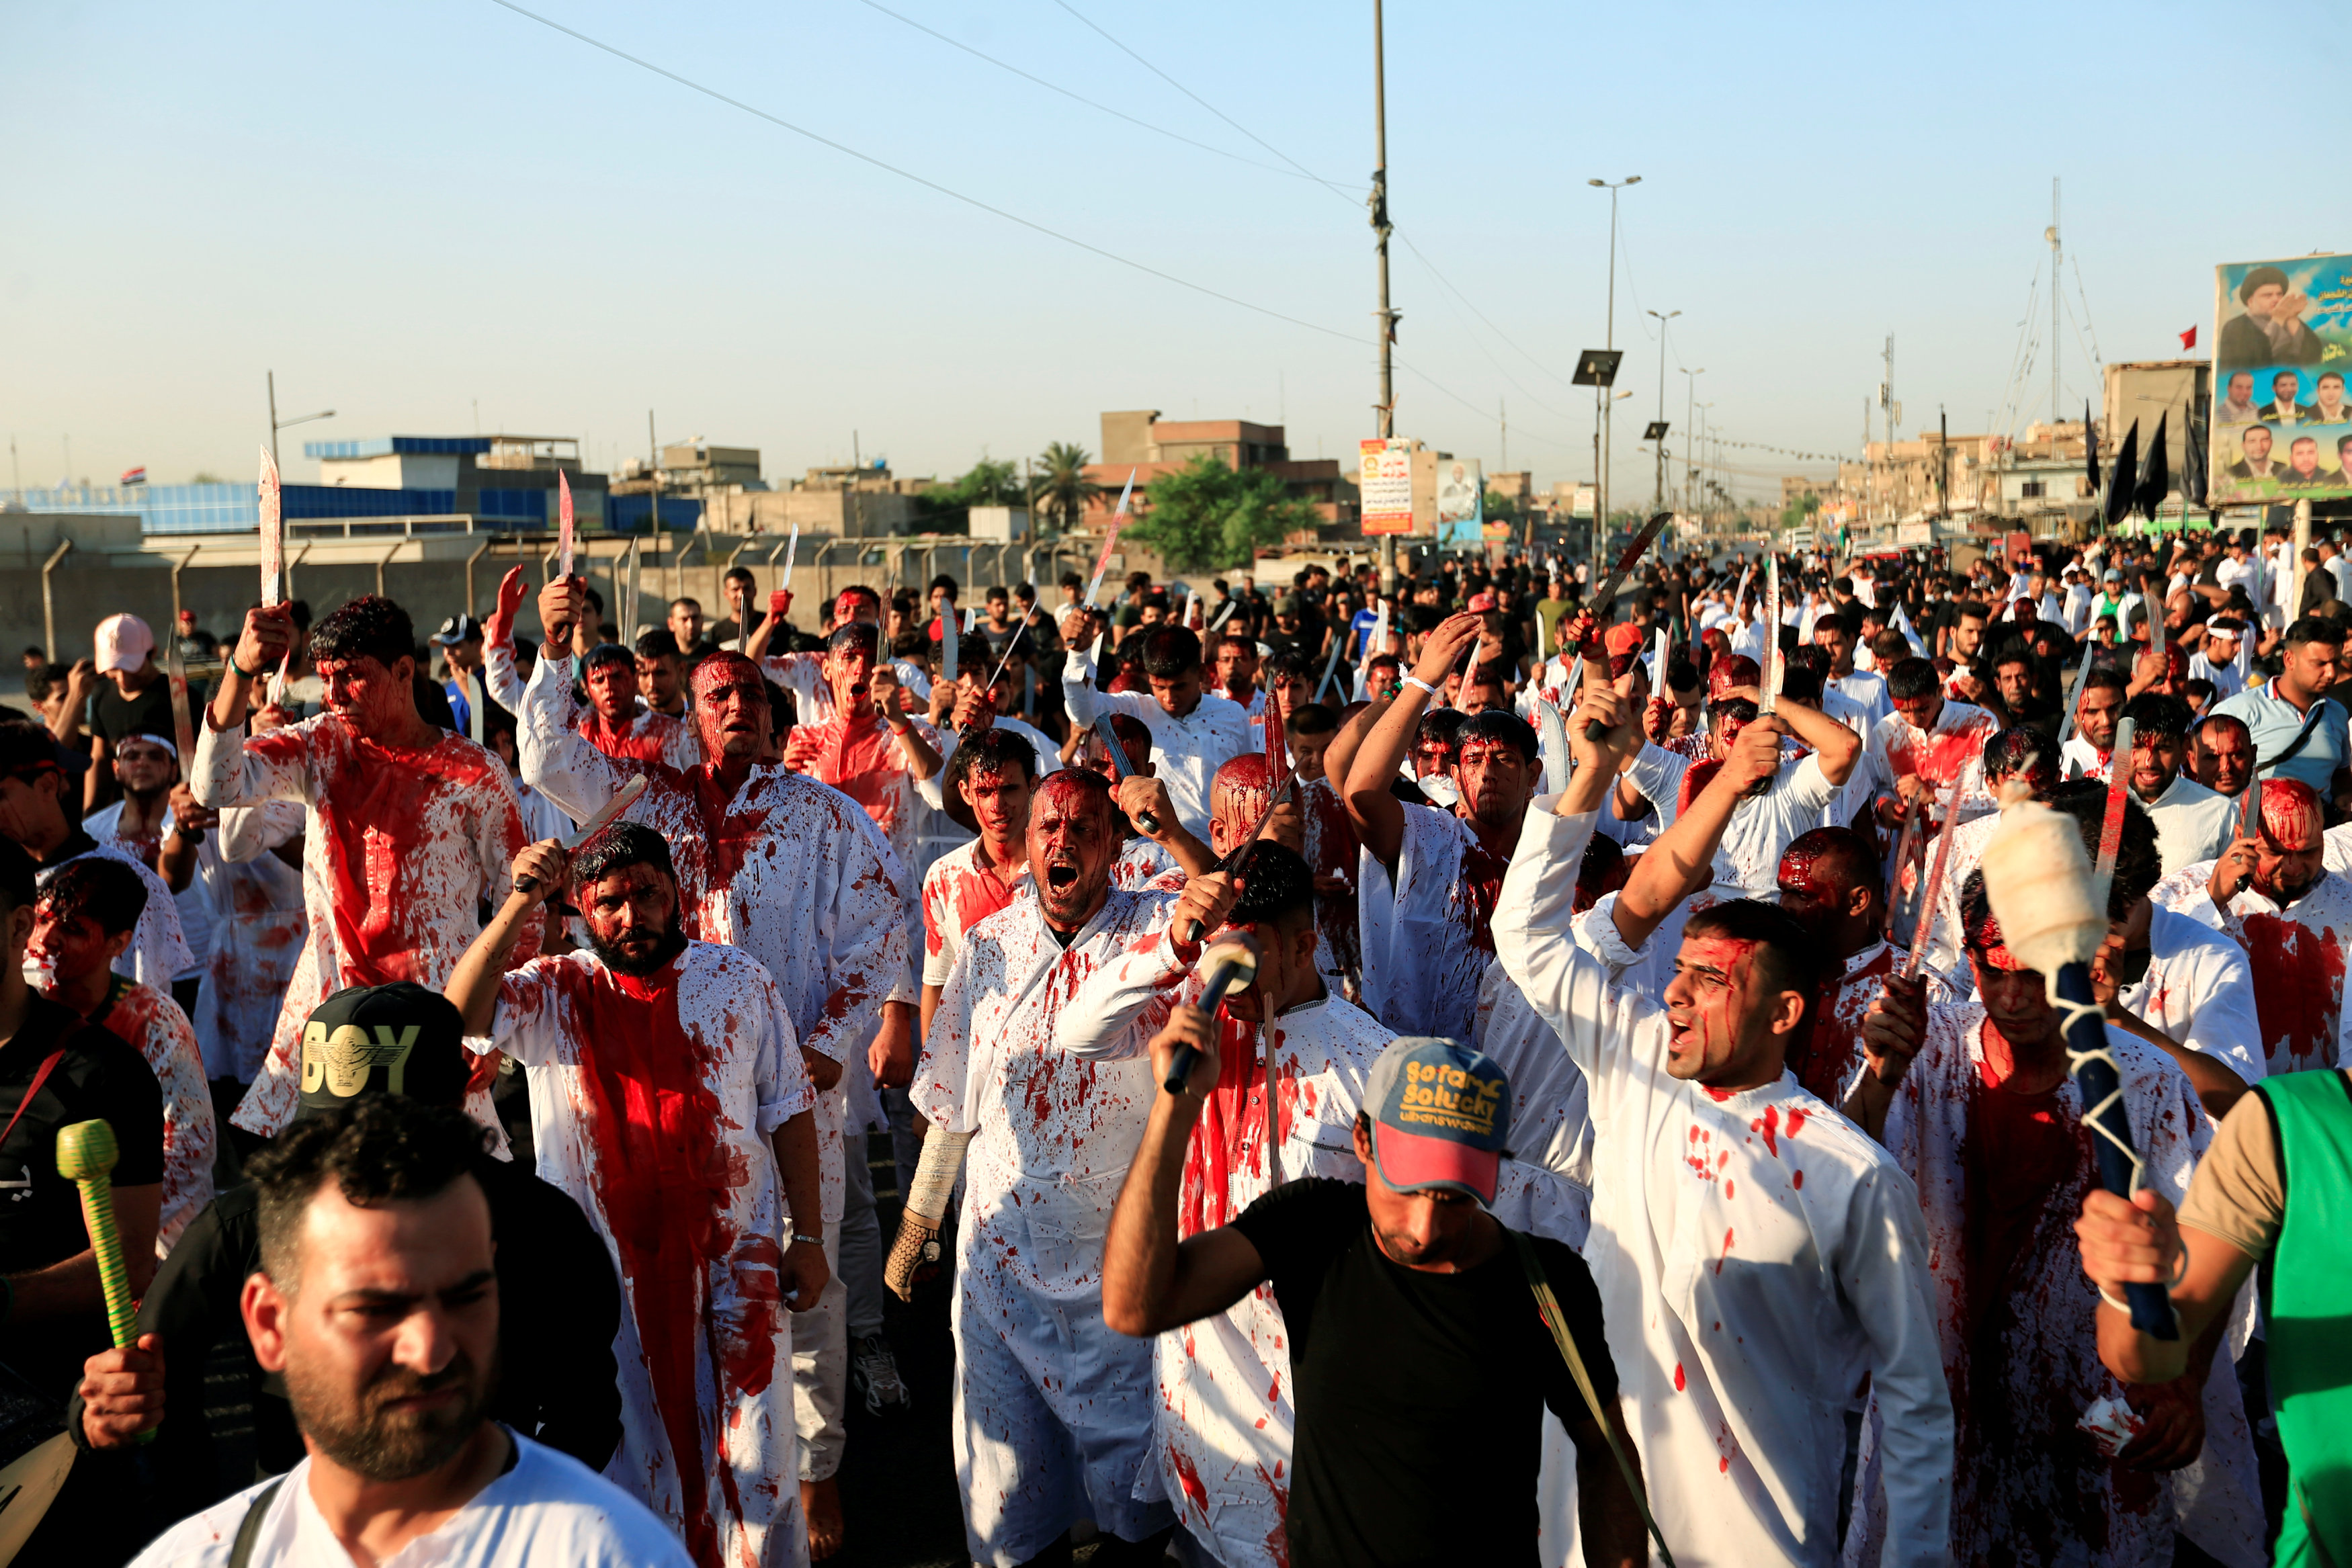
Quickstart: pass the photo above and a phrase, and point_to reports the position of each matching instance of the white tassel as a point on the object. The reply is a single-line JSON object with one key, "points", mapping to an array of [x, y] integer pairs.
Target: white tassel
{"points": [[2038, 879]]}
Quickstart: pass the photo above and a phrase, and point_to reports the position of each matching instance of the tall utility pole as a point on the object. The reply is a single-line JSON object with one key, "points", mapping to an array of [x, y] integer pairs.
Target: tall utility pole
{"points": [[1886, 409], [1600, 479], [1503, 418], [1386, 409], [2055, 258], [1658, 502], [1690, 408]]}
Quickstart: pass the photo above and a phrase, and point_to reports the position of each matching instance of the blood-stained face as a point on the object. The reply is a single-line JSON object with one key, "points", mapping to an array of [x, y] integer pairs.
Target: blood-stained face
{"points": [[2224, 756], [69, 949], [1073, 840], [374, 697], [1497, 780], [2015, 998], [143, 767], [731, 707], [1817, 891], [1286, 969], [1096, 759], [612, 690], [2095, 714], [1237, 800], [631, 915], [2293, 851], [849, 670], [2155, 763], [1724, 1021], [998, 799], [1921, 713]]}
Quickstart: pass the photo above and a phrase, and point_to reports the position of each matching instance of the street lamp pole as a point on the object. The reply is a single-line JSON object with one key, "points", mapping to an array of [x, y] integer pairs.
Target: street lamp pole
{"points": [[1658, 502], [1380, 206], [1690, 396], [276, 424], [1601, 480]]}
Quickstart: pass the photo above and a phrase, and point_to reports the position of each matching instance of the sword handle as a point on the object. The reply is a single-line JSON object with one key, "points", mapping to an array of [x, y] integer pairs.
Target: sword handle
{"points": [[2151, 1303]]}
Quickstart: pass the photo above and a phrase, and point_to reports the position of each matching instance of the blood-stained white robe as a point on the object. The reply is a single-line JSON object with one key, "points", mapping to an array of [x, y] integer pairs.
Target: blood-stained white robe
{"points": [[654, 1101], [1756, 1254], [402, 846], [1222, 1453], [1052, 1409]]}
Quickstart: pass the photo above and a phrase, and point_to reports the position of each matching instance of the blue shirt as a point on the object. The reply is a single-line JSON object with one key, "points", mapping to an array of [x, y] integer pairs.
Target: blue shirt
{"points": [[1361, 632], [2276, 723]]}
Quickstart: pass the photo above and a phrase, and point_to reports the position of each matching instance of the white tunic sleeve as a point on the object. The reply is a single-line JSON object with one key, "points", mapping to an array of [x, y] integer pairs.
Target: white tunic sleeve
{"points": [[556, 759]]}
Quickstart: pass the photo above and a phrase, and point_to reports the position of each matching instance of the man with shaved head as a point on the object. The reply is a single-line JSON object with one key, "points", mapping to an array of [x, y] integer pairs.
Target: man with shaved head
{"points": [[794, 873], [1053, 1410], [2272, 892]]}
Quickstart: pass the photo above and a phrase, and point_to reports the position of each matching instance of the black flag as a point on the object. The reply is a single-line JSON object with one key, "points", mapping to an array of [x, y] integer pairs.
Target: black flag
{"points": [[2119, 477], [2154, 474], [2090, 447], [2192, 459]]}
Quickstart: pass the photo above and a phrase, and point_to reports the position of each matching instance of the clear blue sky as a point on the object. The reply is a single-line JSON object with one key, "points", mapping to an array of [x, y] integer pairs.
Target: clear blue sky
{"points": [[406, 208]]}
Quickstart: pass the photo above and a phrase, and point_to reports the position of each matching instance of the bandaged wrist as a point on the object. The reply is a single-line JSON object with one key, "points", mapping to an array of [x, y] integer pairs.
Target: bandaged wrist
{"points": [[935, 1174], [1417, 681]]}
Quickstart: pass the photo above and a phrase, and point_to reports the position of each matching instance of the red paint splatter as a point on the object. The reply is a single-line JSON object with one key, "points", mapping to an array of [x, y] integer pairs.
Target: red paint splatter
{"points": [[1768, 1125], [1798, 1179], [1797, 1120], [1188, 1476], [2298, 977], [1717, 1095], [1679, 1384], [1727, 1253]]}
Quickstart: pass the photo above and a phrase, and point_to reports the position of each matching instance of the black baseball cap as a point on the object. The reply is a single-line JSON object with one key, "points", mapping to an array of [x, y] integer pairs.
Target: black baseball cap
{"points": [[458, 628], [367, 1041]]}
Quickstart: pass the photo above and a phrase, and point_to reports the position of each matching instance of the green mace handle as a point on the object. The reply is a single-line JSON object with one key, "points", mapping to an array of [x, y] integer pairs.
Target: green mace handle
{"points": [[86, 1156]]}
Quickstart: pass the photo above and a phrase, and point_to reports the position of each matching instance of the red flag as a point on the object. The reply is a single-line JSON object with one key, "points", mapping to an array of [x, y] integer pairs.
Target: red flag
{"points": [[2189, 339]]}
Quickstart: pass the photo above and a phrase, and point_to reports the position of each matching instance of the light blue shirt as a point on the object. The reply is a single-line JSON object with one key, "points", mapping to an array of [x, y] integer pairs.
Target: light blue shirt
{"points": [[2275, 722]]}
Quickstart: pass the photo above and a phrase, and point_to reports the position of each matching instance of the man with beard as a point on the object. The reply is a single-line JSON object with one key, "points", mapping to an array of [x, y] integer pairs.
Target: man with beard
{"points": [[409, 829], [1976, 1103], [378, 1304], [1831, 884], [2192, 822], [1053, 1410], [1192, 730], [1758, 1258], [1424, 920], [2292, 708], [1223, 1444], [870, 748], [792, 872], [2221, 754], [1237, 675], [669, 1102], [2272, 892], [34, 791]]}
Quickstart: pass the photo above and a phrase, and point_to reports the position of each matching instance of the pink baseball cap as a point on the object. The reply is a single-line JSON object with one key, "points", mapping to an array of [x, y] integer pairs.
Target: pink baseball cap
{"points": [[123, 642]]}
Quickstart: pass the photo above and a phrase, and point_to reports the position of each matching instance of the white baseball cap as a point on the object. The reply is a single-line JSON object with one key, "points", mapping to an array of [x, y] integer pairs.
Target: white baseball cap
{"points": [[123, 642]]}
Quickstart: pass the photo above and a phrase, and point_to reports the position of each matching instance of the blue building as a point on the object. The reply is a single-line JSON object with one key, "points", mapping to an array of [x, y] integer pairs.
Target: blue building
{"points": [[502, 482]]}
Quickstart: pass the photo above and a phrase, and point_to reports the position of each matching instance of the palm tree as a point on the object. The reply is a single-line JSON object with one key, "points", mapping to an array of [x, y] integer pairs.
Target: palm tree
{"points": [[1061, 486]]}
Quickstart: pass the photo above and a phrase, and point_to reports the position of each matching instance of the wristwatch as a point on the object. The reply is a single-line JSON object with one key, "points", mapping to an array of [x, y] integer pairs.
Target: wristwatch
{"points": [[812, 1240]]}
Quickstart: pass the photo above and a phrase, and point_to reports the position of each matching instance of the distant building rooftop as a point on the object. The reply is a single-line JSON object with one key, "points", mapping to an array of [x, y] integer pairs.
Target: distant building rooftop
{"points": [[403, 445]]}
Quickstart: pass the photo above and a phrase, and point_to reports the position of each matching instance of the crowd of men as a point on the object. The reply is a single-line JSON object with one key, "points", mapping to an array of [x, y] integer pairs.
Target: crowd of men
{"points": [[1320, 1031]]}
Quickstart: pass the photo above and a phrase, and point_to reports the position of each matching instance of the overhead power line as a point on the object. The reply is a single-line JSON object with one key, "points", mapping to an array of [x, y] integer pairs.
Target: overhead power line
{"points": [[928, 184]]}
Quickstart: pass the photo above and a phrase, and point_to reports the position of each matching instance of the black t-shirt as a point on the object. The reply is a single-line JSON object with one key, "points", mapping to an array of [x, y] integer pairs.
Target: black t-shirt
{"points": [[1420, 1395], [40, 1212], [114, 715]]}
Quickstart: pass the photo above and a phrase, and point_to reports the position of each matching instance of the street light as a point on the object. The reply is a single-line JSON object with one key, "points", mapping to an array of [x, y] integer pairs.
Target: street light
{"points": [[276, 424], [1658, 502], [1601, 500], [1690, 395]]}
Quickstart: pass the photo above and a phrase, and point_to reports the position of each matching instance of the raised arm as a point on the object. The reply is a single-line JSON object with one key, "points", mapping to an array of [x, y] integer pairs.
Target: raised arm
{"points": [[554, 758], [498, 673], [228, 770], [1142, 982], [1681, 860], [1835, 747], [473, 986], [1151, 1282], [1377, 815]]}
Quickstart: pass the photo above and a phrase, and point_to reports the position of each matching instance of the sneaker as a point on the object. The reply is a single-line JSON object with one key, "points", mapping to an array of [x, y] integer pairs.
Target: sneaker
{"points": [[874, 1370]]}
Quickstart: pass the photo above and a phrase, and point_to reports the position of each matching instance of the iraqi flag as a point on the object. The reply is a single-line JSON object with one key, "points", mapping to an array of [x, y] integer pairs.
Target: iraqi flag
{"points": [[134, 476]]}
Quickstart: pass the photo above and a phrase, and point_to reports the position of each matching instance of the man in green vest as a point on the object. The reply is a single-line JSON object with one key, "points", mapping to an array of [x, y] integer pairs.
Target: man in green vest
{"points": [[2275, 1190]]}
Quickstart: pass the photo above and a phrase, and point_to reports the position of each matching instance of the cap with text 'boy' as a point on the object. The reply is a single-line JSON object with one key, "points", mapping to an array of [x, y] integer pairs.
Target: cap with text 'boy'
{"points": [[1440, 1117]]}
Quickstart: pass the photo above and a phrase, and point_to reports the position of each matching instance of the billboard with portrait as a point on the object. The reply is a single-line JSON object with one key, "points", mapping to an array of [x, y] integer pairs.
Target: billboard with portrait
{"points": [[2282, 423], [1461, 501]]}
